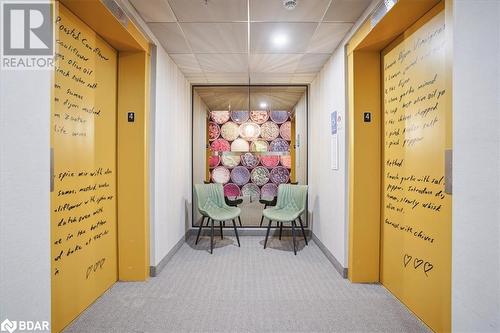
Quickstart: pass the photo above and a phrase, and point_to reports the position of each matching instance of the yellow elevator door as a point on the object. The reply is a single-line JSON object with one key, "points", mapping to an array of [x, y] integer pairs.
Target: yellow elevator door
{"points": [[416, 211], [83, 139]]}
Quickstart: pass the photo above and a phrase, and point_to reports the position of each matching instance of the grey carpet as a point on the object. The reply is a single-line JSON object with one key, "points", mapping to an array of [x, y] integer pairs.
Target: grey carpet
{"points": [[247, 289]]}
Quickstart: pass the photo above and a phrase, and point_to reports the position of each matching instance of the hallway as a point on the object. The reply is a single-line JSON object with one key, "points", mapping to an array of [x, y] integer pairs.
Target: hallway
{"points": [[247, 289]]}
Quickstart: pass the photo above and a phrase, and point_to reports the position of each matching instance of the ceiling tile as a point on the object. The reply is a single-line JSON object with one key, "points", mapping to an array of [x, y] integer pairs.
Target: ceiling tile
{"points": [[195, 78], [311, 63], [271, 78], [328, 36], [187, 63], [154, 10], [227, 78], [280, 37], [223, 63], [274, 63], [170, 37], [274, 11], [210, 10], [303, 78], [216, 37], [346, 10]]}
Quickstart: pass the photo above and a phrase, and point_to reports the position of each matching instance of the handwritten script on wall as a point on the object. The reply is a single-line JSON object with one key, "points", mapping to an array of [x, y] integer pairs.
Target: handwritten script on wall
{"points": [[416, 223], [83, 205]]}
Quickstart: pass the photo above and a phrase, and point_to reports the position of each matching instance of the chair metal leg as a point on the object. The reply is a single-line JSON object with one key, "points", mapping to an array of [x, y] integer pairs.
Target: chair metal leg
{"points": [[199, 230], [212, 237], [236, 233], [293, 237], [239, 220], [302, 227], [281, 228], [221, 235], [262, 218], [267, 233]]}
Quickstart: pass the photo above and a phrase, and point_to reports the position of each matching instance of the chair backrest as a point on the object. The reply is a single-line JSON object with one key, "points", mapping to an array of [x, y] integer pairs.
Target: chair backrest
{"points": [[209, 196], [292, 196]]}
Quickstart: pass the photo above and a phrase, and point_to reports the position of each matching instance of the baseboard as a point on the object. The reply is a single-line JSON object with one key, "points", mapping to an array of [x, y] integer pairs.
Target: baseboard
{"points": [[342, 270], [155, 270], [249, 232]]}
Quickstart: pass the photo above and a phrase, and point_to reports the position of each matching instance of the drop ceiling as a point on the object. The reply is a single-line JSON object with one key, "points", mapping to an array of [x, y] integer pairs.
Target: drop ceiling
{"points": [[234, 41], [251, 98]]}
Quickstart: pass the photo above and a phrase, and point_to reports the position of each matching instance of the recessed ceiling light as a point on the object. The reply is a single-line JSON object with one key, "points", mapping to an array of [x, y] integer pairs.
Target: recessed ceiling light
{"points": [[280, 39], [263, 105], [289, 4]]}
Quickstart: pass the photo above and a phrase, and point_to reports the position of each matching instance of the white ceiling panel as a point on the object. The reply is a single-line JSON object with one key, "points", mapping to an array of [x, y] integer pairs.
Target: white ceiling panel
{"points": [[303, 78], [346, 10], [187, 63], [274, 11], [274, 63], [223, 63], [196, 78], [216, 37], [210, 10], [262, 78], [154, 10], [170, 37], [227, 78], [310, 63], [280, 37], [328, 36]]}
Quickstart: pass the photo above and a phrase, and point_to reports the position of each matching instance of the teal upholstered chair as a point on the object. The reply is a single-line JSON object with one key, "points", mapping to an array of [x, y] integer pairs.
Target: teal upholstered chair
{"points": [[211, 204], [290, 205]]}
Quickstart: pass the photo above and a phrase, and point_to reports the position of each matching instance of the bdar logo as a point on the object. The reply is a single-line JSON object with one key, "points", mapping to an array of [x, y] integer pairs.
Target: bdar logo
{"points": [[8, 326]]}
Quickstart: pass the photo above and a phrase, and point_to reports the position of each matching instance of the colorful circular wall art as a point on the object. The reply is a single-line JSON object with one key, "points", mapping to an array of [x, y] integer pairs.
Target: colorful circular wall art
{"points": [[230, 131], [213, 161], [249, 131], [240, 145], [250, 160], [279, 116], [220, 175], [260, 176], [270, 161], [240, 175], [220, 145], [232, 190], [240, 116], [269, 190], [220, 117], [286, 161], [230, 160], [280, 175], [250, 190], [213, 131], [279, 145], [259, 116], [259, 146], [286, 131], [269, 131]]}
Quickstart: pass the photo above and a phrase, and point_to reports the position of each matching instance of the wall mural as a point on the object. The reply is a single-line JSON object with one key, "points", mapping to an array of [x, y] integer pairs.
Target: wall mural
{"points": [[250, 151]]}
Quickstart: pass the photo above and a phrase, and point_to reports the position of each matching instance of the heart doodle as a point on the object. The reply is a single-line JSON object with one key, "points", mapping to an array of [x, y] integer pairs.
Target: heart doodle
{"points": [[427, 267], [417, 262], [406, 259]]}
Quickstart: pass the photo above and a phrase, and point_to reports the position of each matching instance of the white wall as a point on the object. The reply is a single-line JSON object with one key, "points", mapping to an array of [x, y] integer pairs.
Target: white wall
{"points": [[301, 139], [327, 187], [199, 141], [25, 98], [476, 166], [172, 157]]}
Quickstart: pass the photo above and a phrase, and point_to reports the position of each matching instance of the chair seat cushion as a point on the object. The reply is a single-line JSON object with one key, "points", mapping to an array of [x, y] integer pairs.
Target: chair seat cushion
{"points": [[224, 213], [281, 214]]}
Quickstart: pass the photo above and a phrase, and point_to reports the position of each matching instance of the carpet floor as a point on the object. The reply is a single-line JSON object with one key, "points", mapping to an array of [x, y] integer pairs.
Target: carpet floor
{"points": [[247, 289]]}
